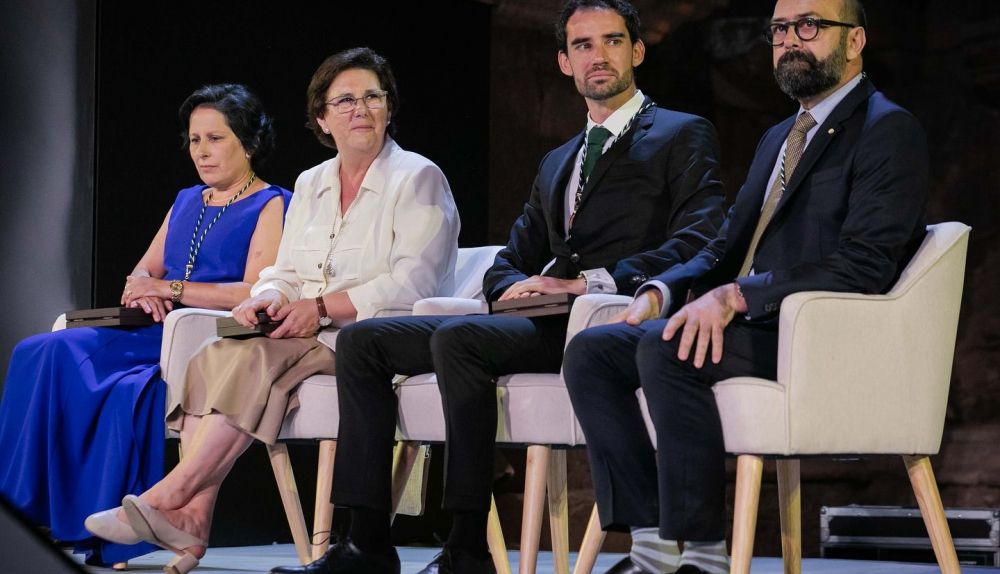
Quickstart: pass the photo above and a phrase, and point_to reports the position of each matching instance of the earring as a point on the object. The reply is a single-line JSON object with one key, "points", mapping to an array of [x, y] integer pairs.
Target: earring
{"points": [[248, 155], [326, 131]]}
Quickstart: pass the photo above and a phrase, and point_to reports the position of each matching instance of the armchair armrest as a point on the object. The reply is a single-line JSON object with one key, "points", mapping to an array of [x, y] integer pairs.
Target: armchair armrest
{"points": [[394, 311], [185, 332], [449, 306], [593, 310]]}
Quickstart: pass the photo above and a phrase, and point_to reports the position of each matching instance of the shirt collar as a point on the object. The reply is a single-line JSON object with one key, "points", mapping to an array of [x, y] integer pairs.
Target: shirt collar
{"points": [[374, 180], [822, 110], [619, 118]]}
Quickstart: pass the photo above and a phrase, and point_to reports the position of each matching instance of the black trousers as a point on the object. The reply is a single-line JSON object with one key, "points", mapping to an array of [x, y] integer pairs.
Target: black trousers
{"points": [[468, 353], [681, 488]]}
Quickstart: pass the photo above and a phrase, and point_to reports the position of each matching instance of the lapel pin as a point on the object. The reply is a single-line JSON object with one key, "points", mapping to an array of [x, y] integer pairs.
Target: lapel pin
{"points": [[830, 131]]}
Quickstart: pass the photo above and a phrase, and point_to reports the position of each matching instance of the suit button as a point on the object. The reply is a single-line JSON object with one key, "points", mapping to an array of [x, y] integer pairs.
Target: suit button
{"points": [[574, 258], [638, 279]]}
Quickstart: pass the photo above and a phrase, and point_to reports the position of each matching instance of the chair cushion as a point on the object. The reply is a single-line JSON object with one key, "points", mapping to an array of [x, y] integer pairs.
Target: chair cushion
{"points": [[753, 416], [533, 408], [753, 419], [318, 415]]}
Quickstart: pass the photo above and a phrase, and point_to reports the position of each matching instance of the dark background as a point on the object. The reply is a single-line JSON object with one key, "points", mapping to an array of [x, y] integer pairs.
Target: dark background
{"points": [[90, 160], [145, 71]]}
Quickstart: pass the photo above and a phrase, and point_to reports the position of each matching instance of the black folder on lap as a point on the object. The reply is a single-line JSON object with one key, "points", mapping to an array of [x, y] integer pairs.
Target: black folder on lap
{"points": [[109, 317], [229, 328], [537, 306]]}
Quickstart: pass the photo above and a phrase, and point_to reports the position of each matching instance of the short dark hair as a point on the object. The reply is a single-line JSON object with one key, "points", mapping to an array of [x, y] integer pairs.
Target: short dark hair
{"points": [[627, 11], [364, 58], [854, 13], [244, 114]]}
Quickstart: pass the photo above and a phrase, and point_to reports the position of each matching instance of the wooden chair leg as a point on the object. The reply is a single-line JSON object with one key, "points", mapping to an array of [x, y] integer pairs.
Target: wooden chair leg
{"points": [[555, 484], [790, 511], [494, 537], [403, 458], [283, 475], [929, 499], [593, 538], [536, 468], [748, 472], [323, 512]]}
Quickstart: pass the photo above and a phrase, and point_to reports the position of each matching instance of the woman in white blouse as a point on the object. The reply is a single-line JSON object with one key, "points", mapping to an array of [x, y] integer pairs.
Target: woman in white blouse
{"points": [[373, 228]]}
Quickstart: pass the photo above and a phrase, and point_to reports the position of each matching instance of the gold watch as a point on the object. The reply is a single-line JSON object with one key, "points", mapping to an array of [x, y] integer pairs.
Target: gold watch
{"points": [[176, 290]]}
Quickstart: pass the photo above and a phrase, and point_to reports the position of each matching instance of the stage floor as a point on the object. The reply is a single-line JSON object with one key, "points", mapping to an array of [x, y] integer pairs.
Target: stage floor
{"points": [[241, 560]]}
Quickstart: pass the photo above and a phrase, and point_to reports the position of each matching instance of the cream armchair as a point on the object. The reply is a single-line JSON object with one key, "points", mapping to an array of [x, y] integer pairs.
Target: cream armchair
{"points": [[186, 331], [535, 411], [857, 374]]}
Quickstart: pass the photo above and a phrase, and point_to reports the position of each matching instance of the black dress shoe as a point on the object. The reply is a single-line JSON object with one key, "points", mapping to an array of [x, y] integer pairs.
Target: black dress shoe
{"points": [[346, 558], [689, 569], [626, 566], [452, 561]]}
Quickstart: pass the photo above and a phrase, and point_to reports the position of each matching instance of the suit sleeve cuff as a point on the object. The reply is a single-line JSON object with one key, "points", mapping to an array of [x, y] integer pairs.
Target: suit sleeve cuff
{"points": [[599, 281], [662, 288]]}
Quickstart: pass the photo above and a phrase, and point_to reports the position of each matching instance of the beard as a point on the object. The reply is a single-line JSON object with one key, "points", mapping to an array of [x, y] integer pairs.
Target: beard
{"points": [[800, 75], [606, 90]]}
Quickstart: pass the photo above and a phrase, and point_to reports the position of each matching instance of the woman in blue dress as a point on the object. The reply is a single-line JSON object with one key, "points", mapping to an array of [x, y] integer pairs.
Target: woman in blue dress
{"points": [[81, 421]]}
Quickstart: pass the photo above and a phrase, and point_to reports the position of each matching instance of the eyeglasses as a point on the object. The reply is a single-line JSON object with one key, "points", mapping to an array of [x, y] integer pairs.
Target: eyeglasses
{"points": [[346, 104], [805, 28]]}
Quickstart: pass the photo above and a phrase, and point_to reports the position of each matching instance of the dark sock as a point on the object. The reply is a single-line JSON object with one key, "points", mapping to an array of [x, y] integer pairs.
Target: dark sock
{"points": [[468, 533], [370, 530]]}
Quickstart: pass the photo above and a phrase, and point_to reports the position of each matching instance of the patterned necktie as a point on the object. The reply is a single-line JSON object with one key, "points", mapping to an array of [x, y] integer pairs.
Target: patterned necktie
{"points": [[596, 138], [794, 147]]}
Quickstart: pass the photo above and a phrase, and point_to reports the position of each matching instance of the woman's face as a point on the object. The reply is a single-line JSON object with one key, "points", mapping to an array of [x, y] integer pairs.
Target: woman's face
{"points": [[215, 150], [361, 129]]}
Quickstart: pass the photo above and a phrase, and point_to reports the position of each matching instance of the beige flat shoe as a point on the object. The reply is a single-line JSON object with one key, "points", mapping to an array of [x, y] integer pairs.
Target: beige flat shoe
{"points": [[105, 525], [152, 527]]}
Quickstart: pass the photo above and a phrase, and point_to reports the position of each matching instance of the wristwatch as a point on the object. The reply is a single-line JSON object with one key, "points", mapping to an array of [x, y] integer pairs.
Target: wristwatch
{"points": [[176, 290], [324, 320]]}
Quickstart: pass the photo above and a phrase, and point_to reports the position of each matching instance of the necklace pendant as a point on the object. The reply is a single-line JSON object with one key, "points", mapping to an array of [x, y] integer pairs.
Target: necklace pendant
{"points": [[329, 270], [187, 270]]}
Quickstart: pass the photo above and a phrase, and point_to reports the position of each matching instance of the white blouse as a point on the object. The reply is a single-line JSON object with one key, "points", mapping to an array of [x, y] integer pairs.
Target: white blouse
{"points": [[396, 244]]}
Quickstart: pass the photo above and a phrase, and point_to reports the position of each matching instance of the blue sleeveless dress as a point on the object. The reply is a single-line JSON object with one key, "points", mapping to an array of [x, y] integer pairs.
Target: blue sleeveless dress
{"points": [[81, 422]]}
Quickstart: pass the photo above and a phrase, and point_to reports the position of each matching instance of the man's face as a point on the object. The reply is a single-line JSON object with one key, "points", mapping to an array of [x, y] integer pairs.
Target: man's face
{"points": [[600, 55], [804, 69]]}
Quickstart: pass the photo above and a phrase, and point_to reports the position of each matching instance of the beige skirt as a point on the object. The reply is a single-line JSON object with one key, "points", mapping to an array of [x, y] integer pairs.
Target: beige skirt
{"points": [[251, 382]]}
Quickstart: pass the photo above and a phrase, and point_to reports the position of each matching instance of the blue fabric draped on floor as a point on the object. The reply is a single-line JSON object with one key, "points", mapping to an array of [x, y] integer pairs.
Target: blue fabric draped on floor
{"points": [[62, 433], [81, 422]]}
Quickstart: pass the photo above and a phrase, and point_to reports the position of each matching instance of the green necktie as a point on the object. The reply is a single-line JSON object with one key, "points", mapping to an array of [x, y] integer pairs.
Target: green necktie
{"points": [[596, 138]]}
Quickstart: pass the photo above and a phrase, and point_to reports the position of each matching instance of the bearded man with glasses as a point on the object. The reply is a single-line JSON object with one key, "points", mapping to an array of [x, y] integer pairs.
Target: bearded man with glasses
{"points": [[834, 201]]}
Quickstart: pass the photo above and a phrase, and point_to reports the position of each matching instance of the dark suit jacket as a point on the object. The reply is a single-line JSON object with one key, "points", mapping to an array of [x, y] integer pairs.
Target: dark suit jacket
{"points": [[851, 216], [653, 200]]}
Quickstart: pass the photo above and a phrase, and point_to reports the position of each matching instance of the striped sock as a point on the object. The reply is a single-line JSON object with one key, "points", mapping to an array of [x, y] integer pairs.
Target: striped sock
{"points": [[652, 553], [709, 556]]}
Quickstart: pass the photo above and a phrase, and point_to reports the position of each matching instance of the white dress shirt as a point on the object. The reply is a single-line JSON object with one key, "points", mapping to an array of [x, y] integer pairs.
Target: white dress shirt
{"points": [[396, 244]]}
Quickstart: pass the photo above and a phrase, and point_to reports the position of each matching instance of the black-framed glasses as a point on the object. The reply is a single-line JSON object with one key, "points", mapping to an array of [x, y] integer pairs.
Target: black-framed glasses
{"points": [[805, 28], [374, 100]]}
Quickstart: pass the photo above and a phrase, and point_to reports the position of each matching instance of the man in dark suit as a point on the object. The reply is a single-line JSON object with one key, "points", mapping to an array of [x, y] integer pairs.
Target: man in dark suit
{"points": [[633, 195], [833, 201]]}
